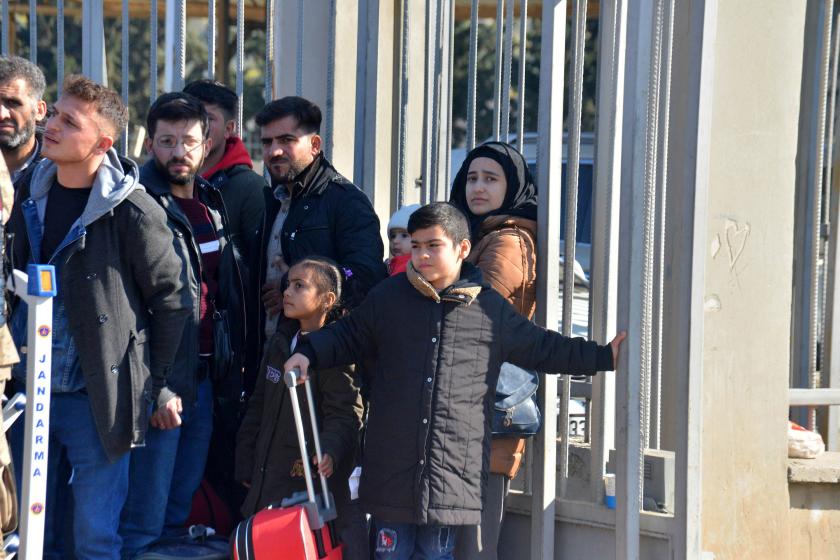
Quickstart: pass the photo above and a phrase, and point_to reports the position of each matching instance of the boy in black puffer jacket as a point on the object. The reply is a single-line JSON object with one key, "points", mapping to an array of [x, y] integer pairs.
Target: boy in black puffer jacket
{"points": [[437, 337]]}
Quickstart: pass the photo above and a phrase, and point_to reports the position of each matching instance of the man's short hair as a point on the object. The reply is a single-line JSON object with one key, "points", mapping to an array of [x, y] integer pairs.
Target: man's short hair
{"points": [[13, 67], [105, 101], [215, 93], [451, 220], [306, 113], [177, 106]]}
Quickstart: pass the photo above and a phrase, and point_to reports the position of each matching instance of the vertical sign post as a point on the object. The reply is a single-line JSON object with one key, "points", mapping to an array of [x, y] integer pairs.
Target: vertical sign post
{"points": [[37, 288]]}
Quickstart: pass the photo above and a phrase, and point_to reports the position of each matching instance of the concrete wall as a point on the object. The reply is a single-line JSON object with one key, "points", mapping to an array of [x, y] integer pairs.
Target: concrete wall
{"points": [[757, 76], [315, 56], [815, 520]]}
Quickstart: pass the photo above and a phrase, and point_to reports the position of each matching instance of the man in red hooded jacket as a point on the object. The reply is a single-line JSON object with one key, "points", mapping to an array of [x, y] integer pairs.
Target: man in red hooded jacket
{"points": [[228, 167]]}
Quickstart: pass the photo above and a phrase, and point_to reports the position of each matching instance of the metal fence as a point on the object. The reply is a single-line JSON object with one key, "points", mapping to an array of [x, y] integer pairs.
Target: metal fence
{"points": [[815, 338], [632, 203]]}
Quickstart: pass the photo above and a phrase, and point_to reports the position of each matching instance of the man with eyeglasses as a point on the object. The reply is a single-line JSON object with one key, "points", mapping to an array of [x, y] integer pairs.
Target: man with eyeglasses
{"points": [[165, 474], [119, 313], [21, 108]]}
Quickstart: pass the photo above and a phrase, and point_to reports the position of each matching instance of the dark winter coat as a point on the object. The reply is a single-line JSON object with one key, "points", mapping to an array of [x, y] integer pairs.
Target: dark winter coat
{"points": [[329, 217], [127, 312], [26, 175], [242, 191], [436, 357], [230, 296], [267, 451]]}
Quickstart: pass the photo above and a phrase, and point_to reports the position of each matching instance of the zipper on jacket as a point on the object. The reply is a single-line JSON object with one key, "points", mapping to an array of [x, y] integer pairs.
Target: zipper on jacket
{"points": [[439, 343]]}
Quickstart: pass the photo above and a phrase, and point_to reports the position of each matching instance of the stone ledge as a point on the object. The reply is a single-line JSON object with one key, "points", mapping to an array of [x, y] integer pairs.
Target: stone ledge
{"points": [[824, 469]]}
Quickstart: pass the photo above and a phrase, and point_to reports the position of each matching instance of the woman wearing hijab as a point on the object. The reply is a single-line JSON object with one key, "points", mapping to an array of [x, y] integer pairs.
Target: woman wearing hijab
{"points": [[495, 191]]}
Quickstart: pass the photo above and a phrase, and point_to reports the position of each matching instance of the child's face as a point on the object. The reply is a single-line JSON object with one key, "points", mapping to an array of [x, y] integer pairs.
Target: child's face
{"points": [[301, 299], [436, 257], [399, 242]]}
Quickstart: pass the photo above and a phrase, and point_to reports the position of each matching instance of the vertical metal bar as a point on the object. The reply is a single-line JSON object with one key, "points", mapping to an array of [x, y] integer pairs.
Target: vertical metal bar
{"points": [[450, 77], [434, 177], [655, 431], [428, 100], [33, 31], [124, 70], [153, 55], [59, 55], [240, 62], [181, 47], [497, 72], [578, 43], [636, 291], [360, 161], [471, 75], [523, 43], [507, 70], [687, 275], [299, 61], [330, 109], [211, 37], [403, 107], [4, 27], [603, 277], [549, 162], [816, 223], [93, 41], [830, 344], [268, 91]]}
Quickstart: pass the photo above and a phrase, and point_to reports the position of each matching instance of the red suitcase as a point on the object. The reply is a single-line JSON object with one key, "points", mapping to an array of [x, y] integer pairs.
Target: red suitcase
{"points": [[300, 527]]}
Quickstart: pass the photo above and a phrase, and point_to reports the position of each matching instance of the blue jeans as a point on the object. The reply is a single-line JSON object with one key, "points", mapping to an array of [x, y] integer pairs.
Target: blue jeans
{"points": [[99, 487], [165, 474], [405, 541]]}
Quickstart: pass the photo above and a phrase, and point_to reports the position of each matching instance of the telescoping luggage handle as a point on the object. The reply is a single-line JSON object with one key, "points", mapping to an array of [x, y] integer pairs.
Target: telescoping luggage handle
{"points": [[291, 378]]}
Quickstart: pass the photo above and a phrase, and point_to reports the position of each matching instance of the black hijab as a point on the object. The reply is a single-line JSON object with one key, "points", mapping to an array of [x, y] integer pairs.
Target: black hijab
{"points": [[521, 196]]}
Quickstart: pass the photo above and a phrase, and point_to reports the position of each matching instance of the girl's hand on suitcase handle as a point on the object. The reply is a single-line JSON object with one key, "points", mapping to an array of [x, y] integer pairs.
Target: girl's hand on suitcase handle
{"points": [[327, 465], [301, 363]]}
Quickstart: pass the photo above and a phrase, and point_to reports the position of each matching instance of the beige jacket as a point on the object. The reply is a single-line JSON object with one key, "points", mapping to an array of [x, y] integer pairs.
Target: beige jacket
{"points": [[506, 253]]}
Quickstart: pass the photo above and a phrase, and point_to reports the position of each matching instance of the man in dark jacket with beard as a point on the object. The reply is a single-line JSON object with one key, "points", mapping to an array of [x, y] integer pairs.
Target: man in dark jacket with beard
{"points": [[165, 474], [438, 335], [120, 310], [310, 208], [21, 108]]}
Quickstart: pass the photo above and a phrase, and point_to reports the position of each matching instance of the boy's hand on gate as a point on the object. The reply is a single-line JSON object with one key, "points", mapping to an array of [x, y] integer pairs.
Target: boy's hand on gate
{"points": [[327, 465], [300, 362], [615, 344]]}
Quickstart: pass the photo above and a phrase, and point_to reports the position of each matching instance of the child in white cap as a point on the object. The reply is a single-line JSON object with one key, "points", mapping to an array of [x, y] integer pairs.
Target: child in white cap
{"points": [[399, 240]]}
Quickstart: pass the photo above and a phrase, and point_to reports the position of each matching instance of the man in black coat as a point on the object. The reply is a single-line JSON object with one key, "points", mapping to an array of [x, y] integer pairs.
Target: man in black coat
{"points": [[438, 335], [310, 208], [119, 312]]}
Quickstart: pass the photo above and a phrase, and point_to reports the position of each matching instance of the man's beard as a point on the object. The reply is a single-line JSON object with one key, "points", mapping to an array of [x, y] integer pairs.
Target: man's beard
{"points": [[182, 179], [295, 169], [16, 139]]}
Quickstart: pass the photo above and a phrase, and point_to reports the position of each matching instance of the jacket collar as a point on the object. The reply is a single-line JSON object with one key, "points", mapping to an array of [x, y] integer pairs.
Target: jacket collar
{"points": [[115, 179], [464, 290], [155, 183], [235, 154]]}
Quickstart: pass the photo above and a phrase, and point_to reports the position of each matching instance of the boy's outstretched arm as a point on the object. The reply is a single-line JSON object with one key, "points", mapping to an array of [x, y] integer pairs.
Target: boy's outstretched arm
{"points": [[530, 346], [344, 342]]}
